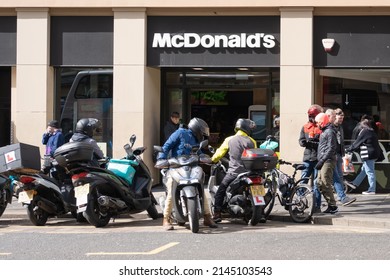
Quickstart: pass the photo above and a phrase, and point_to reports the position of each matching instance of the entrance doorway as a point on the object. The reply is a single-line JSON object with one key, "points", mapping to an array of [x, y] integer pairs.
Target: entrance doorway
{"points": [[5, 106], [222, 96]]}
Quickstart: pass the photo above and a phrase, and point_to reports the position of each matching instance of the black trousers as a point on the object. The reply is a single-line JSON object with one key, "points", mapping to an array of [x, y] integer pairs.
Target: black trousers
{"points": [[220, 195]]}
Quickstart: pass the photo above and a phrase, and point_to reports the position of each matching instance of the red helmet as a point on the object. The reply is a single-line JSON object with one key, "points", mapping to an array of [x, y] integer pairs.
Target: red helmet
{"points": [[314, 110]]}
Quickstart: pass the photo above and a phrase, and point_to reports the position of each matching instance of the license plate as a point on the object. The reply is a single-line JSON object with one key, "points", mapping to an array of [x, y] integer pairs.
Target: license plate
{"points": [[81, 194], [26, 196], [258, 193], [258, 190]]}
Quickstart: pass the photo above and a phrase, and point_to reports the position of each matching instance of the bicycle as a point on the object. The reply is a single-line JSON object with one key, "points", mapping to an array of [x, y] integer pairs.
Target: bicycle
{"points": [[296, 196]]}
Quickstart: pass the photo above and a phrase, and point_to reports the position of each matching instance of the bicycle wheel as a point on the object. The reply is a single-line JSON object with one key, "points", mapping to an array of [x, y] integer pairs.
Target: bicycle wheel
{"points": [[301, 203], [272, 185]]}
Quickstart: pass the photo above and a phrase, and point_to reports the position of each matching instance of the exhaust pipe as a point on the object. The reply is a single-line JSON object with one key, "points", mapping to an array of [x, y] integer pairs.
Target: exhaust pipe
{"points": [[236, 209], [111, 202], [47, 205]]}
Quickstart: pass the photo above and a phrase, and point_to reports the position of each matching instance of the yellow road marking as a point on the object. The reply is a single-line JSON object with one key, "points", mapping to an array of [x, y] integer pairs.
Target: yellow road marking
{"points": [[153, 252]]}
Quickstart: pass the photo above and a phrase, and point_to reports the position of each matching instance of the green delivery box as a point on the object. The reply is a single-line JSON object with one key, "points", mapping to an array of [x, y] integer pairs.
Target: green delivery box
{"points": [[20, 157], [123, 168]]}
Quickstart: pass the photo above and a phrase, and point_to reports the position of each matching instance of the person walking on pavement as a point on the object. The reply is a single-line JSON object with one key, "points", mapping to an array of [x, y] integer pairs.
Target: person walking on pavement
{"points": [[338, 179], [234, 145], [309, 138], [181, 143], [370, 152], [171, 125], [326, 161]]}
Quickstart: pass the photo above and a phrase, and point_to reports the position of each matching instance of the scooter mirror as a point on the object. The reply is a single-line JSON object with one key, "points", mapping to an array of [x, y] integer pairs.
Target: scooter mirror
{"points": [[204, 144], [132, 139]]}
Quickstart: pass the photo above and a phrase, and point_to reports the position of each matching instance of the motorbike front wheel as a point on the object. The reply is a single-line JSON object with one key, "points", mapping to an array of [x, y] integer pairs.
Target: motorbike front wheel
{"points": [[3, 201], [193, 214], [2, 208], [79, 217], [270, 196], [38, 216], [93, 214], [301, 203]]}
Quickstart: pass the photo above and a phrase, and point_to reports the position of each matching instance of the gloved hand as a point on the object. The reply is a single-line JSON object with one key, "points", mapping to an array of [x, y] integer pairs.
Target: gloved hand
{"points": [[161, 163], [319, 165]]}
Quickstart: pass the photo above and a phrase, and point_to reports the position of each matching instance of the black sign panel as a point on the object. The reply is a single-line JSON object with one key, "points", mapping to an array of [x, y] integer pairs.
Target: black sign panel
{"points": [[7, 41], [207, 41], [360, 41], [81, 41]]}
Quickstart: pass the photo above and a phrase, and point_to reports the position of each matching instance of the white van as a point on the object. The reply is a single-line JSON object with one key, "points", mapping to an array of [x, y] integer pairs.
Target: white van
{"points": [[90, 96]]}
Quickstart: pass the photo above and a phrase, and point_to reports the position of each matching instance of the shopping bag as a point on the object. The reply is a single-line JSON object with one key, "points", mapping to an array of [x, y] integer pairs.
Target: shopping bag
{"points": [[347, 164]]}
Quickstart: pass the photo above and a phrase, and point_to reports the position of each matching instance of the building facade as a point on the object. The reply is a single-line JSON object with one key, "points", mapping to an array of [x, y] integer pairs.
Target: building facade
{"points": [[218, 61]]}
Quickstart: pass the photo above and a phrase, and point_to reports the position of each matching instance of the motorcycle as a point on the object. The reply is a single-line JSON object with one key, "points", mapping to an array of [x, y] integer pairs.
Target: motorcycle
{"points": [[46, 196], [188, 179], [124, 186], [5, 193], [245, 197]]}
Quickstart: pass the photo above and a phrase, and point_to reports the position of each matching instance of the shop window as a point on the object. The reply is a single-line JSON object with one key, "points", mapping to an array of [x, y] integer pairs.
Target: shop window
{"points": [[357, 92]]}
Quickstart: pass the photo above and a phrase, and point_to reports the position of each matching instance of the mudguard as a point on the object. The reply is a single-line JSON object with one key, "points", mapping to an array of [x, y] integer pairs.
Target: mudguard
{"points": [[189, 191]]}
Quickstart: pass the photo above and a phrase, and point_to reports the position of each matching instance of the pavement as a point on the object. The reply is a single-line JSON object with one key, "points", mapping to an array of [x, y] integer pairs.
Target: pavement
{"points": [[370, 211]]}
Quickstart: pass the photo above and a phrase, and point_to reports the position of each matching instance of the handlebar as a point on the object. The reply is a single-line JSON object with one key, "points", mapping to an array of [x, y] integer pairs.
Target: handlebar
{"points": [[296, 166]]}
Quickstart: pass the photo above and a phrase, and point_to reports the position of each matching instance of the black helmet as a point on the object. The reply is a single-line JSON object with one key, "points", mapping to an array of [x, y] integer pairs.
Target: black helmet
{"points": [[87, 126], [245, 125], [199, 128]]}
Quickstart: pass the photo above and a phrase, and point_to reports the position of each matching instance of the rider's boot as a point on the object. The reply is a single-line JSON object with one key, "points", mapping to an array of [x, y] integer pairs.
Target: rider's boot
{"points": [[217, 217], [208, 221], [167, 224]]}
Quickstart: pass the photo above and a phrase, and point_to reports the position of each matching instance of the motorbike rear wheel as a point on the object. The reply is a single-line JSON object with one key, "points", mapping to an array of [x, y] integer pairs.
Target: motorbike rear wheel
{"points": [[93, 214], [38, 217], [301, 203], [152, 210], [193, 214]]}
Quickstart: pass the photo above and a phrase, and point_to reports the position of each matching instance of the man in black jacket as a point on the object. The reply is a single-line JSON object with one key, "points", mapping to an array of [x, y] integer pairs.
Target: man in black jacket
{"points": [[172, 125], [326, 156]]}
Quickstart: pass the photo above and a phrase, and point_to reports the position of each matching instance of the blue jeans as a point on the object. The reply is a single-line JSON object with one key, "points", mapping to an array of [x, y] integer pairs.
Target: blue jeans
{"points": [[338, 178], [368, 168], [307, 172]]}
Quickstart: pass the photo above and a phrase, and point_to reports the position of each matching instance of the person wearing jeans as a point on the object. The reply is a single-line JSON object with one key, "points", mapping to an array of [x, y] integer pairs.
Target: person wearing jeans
{"points": [[337, 117], [370, 152]]}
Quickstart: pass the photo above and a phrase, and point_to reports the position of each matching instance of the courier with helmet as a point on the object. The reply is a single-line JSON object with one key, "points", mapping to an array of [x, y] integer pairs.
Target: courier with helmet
{"points": [[84, 133], [180, 143], [233, 145]]}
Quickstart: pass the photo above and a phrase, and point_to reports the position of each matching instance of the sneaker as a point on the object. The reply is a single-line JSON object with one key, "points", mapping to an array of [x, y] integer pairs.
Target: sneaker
{"points": [[331, 210], [350, 184], [368, 193], [347, 201]]}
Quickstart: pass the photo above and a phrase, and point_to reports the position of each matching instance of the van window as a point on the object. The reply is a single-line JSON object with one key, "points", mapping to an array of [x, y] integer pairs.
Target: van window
{"points": [[94, 86]]}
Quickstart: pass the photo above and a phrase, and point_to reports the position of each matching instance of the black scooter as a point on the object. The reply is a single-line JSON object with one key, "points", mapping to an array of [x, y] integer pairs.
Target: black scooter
{"points": [[46, 196], [124, 186]]}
